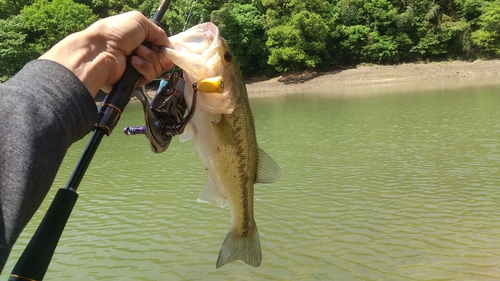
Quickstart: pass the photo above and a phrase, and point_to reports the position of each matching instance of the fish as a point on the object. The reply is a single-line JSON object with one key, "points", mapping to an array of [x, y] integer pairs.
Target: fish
{"points": [[223, 132]]}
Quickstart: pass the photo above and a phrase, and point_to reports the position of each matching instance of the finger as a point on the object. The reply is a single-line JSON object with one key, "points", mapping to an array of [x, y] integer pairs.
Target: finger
{"points": [[144, 67], [151, 56], [153, 33], [159, 61], [143, 81]]}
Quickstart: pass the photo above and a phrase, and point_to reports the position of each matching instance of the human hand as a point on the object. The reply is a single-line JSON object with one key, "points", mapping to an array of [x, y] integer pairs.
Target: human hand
{"points": [[98, 54]]}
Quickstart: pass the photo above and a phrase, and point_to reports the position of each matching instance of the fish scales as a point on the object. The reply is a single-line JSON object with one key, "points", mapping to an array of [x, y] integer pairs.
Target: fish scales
{"points": [[223, 131]]}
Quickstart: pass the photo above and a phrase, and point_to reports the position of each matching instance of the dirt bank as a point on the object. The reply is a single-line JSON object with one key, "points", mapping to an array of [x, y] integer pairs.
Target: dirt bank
{"points": [[415, 74], [369, 79]]}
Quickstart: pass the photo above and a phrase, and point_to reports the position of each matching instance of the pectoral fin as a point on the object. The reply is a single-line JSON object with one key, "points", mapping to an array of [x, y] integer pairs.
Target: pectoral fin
{"points": [[268, 171], [188, 133], [213, 195]]}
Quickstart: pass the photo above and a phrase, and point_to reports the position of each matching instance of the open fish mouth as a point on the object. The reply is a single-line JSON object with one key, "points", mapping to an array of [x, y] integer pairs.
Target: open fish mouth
{"points": [[196, 50], [196, 39], [201, 33]]}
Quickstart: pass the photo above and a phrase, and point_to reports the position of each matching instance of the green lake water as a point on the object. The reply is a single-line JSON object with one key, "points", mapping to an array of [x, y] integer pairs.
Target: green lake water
{"points": [[398, 185]]}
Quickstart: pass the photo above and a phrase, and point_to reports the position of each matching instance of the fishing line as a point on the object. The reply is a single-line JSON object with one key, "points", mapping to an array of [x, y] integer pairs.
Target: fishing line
{"points": [[186, 20], [188, 17]]}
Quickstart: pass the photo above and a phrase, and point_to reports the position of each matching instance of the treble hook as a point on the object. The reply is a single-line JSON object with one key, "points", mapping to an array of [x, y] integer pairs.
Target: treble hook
{"points": [[166, 114]]}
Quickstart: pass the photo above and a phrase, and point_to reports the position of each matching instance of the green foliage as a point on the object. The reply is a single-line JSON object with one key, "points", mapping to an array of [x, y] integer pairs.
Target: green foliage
{"points": [[12, 7], [286, 55], [183, 14], [105, 8], [385, 31], [372, 31], [13, 51], [241, 26], [49, 22], [26, 36], [281, 35], [297, 33], [380, 48], [487, 38], [147, 7], [470, 10], [353, 39]]}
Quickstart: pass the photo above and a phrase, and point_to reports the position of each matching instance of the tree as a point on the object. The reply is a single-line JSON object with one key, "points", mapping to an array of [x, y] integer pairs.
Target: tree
{"points": [[14, 52], [105, 8], [487, 38], [241, 26], [183, 14], [12, 7], [370, 31], [297, 33], [49, 22], [469, 10], [440, 28]]}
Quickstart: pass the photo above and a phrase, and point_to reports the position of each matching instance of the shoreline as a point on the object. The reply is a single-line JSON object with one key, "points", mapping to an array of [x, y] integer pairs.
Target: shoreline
{"points": [[370, 79], [365, 80]]}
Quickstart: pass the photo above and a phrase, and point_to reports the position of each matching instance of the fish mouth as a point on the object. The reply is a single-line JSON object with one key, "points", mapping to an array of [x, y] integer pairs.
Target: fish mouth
{"points": [[196, 39], [195, 50]]}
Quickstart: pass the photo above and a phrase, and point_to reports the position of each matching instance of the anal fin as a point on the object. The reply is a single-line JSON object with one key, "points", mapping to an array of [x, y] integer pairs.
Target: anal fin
{"points": [[268, 171]]}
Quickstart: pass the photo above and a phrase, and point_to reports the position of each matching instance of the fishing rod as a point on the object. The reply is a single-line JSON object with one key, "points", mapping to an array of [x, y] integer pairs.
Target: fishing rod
{"points": [[35, 259], [166, 115]]}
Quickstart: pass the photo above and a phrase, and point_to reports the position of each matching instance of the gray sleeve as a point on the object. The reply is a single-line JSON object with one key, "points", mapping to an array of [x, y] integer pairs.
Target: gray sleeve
{"points": [[43, 109]]}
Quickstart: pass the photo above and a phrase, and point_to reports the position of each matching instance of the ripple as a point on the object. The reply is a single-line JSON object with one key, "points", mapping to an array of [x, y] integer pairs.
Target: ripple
{"points": [[394, 187]]}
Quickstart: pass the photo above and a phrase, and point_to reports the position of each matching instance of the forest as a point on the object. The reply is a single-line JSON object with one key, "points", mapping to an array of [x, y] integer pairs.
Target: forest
{"points": [[270, 37]]}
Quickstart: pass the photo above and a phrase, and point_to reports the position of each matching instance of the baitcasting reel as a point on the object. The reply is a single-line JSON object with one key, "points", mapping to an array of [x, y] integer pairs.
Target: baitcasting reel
{"points": [[166, 115]]}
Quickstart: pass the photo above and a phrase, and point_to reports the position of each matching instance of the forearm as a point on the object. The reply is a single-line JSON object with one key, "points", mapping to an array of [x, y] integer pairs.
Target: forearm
{"points": [[43, 110], [48, 105]]}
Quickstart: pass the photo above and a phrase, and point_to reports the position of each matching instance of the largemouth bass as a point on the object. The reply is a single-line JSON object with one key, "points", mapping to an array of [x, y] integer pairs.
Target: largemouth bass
{"points": [[223, 131]]}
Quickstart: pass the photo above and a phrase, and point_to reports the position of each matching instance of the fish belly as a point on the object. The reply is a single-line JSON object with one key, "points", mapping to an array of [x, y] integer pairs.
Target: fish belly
{"points": [[228, 148]]}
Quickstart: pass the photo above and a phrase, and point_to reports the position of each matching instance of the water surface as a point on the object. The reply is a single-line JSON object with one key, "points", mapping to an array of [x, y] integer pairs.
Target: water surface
{"points": [[397, 186]]}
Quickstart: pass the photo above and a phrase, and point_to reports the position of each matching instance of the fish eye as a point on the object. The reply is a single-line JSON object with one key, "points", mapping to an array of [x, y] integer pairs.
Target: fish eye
{"points": [[228, 57]]}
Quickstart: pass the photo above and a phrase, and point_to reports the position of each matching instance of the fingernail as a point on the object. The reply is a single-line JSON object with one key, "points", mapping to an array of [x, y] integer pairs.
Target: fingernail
{"points": [[143, 50], [136, 61]]}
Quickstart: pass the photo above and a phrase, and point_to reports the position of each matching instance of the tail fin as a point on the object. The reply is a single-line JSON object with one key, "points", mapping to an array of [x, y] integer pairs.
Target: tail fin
{"points": [[246, 249]]}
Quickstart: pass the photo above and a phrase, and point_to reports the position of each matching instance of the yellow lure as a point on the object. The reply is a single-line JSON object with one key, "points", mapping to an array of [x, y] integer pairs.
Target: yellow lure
{"points": [[211, 85]]}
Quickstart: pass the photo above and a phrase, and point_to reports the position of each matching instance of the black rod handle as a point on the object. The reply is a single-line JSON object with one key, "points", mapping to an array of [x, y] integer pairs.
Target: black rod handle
{"points": [[115, 102], [36, 257], [34, 261]]}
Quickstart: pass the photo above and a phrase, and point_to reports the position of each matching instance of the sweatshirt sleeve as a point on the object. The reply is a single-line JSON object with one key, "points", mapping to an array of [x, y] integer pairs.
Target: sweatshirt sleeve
{"points": [[43, 110]]}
